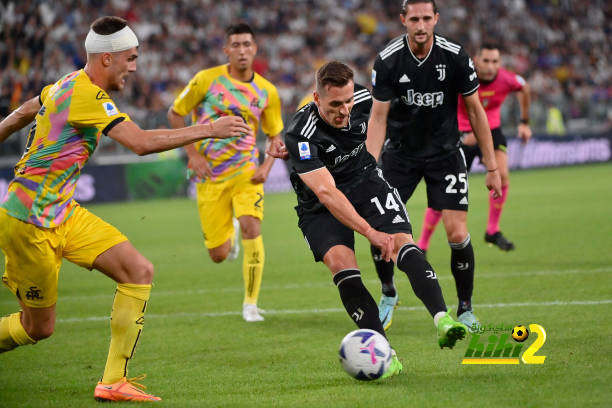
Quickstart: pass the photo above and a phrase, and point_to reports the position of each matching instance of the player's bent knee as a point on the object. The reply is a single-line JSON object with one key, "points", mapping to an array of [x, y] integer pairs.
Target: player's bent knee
{"points": [[457, 237], [219, 254], [250, 227], [141, 273], [148, 270], [217, 258], [40, 332]]}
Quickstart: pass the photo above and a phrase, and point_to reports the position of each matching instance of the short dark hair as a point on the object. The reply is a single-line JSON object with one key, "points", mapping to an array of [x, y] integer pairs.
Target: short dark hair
{"points": [[489, 45], [334, 73], [407, 2], [240, 28], [108, 25]]}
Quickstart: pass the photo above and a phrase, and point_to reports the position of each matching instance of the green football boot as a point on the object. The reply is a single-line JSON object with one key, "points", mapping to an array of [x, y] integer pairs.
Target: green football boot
{"points": [[395, 367], [449, 331]]}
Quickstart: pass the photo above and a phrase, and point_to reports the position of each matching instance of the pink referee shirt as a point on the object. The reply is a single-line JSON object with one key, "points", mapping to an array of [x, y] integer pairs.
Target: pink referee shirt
{"points": [[492, 96]]}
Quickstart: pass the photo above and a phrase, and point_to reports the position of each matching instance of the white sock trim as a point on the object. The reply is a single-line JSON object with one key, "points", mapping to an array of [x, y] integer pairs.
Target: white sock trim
{"points": [[437, 318]]}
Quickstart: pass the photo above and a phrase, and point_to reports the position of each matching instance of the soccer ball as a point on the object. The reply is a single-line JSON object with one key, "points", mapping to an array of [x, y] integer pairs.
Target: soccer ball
{"points": [[520, 333], [365, 354]]}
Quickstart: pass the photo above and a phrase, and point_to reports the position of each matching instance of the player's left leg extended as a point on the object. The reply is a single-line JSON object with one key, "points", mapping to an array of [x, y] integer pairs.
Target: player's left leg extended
{"points": [[493, 235], [95, 244], [410, 259], [248, 204], [134, 275], [462, 262]]}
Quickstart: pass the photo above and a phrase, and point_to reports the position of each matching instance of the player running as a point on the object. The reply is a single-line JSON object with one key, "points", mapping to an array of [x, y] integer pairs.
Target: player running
{"points": [[230, 179], [495, 85], [416, 80], [41, 223], [341, 191]]}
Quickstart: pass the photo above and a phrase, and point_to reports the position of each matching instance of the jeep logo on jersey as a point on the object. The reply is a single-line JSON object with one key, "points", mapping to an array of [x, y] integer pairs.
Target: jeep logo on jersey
{"points": [[441, 68], [427, 99]]}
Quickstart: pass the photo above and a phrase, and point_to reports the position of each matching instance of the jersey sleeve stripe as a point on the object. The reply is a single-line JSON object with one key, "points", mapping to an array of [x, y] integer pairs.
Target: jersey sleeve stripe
{"points": [[393, 44], [111, 125], [359, 93], [313, 127], [449, 43], [447, 47], [310, 171], [468, 93], [390, 50], [363, 98], [305, 128]]}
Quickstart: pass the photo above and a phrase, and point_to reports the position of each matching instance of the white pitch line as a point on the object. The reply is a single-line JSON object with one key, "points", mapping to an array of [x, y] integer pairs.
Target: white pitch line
{"points": [[338, 310], [324, 284]]}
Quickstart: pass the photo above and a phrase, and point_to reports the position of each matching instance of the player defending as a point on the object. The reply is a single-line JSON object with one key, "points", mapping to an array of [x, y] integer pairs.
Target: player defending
{"points": [[230, 178], [340, 190], [416, 80], [41, 223], [495, 84]]}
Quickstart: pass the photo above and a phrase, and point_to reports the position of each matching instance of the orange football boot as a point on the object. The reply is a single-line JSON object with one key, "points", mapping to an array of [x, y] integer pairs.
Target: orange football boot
{"points": [[123, 390]]}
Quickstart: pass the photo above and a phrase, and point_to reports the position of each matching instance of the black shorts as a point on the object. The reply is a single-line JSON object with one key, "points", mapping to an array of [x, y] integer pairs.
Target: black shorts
{"points": [[373, 198], [445, 178], [499, 143]]}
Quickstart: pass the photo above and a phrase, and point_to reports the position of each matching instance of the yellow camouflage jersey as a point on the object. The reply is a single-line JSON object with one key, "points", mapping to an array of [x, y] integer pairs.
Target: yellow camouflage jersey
{"points": [[213, 93], [73, 116]]}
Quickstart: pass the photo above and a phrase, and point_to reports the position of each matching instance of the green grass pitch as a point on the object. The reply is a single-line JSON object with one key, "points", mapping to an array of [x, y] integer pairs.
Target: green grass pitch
{"points": [[198, 352]]}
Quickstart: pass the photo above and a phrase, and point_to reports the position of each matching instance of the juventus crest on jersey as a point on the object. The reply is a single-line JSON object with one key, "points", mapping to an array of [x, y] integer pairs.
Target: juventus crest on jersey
{"points": [[314, 144], [423, 93]]}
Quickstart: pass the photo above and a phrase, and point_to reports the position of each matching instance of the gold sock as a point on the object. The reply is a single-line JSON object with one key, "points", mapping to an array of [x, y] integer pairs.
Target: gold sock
{"points": [[252, 268], [12, 333], [127, 319]]}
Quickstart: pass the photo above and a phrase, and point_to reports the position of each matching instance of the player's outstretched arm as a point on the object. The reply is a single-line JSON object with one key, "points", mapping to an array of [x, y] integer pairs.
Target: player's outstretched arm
{"points": [[480, 125], [19, 118], [377, 127], [524, 99], [322, 184], [196, 161], [144, 142]]}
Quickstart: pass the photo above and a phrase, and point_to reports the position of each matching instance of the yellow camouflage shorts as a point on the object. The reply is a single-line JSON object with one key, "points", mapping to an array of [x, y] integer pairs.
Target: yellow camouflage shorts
{"points": [[218, 202], [33, 255]]}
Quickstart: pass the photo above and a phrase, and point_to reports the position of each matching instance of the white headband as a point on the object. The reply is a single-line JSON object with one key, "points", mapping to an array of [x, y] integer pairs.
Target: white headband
{"points": [[122, 40]]}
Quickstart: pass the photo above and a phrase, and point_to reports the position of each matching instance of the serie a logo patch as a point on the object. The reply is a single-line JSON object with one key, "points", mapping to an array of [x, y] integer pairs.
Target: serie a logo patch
{"points": [[304, 149], [110, 109]]}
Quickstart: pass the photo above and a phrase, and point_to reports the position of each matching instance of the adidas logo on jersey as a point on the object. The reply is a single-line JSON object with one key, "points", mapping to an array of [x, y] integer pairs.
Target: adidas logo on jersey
{"points": [[330, 149], [397, 220], [464, 201], [404, 79]]}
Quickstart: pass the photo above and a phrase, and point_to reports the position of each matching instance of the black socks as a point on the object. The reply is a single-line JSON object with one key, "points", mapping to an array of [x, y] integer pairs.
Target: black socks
{"points": [[357, 301]]}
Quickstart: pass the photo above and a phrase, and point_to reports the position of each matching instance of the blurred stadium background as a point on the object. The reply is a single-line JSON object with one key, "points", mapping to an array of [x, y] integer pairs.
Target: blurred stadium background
{"points": [[561, 47], [556, 277]]}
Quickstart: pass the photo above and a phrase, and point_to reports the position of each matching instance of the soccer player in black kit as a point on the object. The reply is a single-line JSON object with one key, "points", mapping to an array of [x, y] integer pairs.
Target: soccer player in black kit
{"points": [[340, 190], [416, 81]]}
